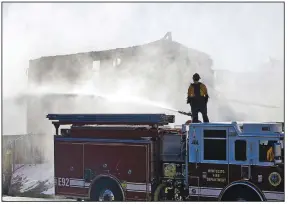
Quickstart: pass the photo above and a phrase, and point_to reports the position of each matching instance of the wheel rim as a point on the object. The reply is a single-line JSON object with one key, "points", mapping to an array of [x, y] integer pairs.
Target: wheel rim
{"points": [[106, 195]]}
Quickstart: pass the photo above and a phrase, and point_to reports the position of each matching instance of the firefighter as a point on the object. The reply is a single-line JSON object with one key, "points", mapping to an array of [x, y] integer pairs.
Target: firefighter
{"points": [[270, 153], [198, 99]]}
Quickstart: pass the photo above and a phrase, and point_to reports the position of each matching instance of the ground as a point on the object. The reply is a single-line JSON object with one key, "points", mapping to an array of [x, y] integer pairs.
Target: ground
{"points": [[23, 199], [33, 181]]}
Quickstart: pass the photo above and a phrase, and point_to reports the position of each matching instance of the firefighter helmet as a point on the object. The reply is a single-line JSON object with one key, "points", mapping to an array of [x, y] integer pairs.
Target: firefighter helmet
{"points": [[196, 77]]}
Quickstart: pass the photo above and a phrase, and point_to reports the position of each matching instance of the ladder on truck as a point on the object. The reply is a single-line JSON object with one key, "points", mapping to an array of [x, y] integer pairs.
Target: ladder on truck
{"points": [[154, 120]]}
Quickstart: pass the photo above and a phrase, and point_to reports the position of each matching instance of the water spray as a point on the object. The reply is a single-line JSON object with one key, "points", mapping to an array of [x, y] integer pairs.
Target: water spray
{"points": [[109, 97]]}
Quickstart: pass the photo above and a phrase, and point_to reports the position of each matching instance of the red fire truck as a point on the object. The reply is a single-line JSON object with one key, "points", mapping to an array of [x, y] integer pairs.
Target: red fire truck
{"points": [[138, 157]]}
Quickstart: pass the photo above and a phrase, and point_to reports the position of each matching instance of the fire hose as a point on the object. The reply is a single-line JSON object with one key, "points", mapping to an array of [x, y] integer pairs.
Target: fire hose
{"points": [[185, 113]]}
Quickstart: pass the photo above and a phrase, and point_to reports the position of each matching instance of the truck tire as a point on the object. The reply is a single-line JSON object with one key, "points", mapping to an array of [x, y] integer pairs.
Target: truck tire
{"points": [[106, 190], [241, 193]]}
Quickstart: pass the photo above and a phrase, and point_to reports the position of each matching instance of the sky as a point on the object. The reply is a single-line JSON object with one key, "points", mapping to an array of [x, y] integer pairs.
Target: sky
{"points": [[238, 36]]}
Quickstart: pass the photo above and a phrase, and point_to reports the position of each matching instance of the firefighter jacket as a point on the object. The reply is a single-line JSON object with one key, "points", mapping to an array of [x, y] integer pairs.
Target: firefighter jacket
{"points": [[270, 154], [197, 90]]}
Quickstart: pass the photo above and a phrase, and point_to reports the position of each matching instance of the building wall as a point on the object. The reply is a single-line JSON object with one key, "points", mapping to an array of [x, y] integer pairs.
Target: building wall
{"points": [[161, 70]]}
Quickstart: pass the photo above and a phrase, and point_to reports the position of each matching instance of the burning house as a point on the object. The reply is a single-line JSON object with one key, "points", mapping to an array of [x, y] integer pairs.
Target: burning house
{"points": [[151, 61]]}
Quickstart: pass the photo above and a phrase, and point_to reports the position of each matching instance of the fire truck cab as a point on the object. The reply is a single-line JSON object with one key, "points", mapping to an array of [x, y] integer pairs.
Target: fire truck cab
{"points": [[137, 157]]}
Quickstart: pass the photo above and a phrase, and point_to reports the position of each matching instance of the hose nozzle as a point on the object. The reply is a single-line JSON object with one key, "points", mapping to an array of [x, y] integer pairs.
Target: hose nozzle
{"points": [[185, 113]]}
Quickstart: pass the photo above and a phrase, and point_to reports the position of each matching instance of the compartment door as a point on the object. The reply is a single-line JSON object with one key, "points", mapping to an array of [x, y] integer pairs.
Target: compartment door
{"points": [[129, 162], [68, 167]]}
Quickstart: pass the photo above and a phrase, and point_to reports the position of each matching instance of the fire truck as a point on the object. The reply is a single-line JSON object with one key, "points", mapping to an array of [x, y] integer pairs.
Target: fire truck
{"points": [[141, 157]]}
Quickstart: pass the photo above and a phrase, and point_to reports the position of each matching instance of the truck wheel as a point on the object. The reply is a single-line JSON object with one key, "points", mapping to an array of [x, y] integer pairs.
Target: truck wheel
{"points": [[240, 193], [106, 190]]}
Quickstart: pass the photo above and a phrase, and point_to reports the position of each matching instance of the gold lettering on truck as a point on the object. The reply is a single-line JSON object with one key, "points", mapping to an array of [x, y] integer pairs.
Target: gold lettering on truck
{"points": [[217, 175]]}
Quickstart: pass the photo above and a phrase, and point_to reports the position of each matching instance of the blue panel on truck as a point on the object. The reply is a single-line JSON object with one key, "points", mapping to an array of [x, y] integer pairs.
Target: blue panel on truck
{"points": [[194, 142], [157, 119]]}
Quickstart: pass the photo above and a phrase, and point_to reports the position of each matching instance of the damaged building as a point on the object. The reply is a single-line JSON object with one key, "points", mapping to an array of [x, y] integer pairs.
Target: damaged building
{"points": [[151, 61]]}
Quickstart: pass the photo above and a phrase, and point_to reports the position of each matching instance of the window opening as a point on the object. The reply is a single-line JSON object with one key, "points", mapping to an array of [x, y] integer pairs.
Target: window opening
{"points": [[116, 62], [240, 150], [215, 145], [96, 66], [266, 150]]}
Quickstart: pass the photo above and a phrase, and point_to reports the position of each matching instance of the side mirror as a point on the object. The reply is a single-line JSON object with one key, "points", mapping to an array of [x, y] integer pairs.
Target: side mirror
{"points": [[277, 153]]}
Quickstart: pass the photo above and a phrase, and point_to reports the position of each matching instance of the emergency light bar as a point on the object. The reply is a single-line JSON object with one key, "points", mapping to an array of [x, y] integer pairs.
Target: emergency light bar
{"points": [[123, 119]]}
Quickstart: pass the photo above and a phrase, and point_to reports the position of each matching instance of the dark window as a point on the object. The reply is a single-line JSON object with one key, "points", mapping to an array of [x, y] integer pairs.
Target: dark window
{"points": [[264, 146], [214, 149], [265, 128], [214, 133], [240, 150], [215, 145]]}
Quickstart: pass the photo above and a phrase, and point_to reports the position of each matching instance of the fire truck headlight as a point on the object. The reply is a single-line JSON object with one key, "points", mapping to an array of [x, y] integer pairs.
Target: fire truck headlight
{"points": [[169, 170]]}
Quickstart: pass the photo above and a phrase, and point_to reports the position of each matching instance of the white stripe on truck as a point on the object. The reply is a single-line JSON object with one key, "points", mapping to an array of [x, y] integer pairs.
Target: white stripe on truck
{"points": [[143, 187], [80, 183]]}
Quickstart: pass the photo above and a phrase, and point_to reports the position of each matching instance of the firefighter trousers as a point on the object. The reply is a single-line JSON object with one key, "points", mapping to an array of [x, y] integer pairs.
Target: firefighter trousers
{"points": [[196, 108]]}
